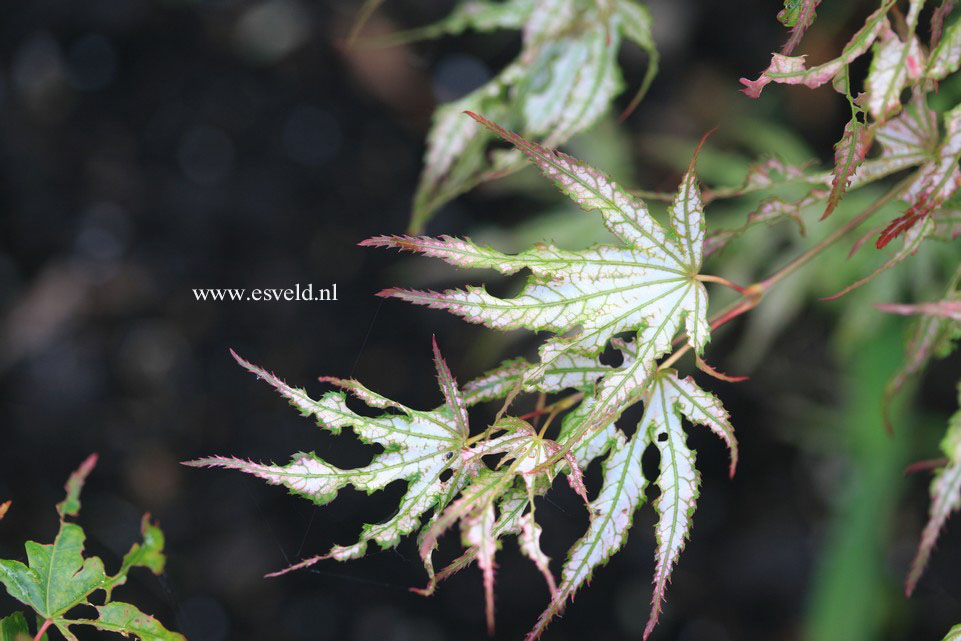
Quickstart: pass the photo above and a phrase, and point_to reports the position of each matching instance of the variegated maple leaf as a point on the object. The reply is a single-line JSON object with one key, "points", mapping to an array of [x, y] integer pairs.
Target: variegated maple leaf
{"points": [[945, 56], [791, 70], [666, 400], [936, 181], [799, 15], [649, 284], [515, 505], [945, 498], [574, 43], [419, 446], [907, 140], [897, 62], [954, 634], [931, 336], [525, 453]]}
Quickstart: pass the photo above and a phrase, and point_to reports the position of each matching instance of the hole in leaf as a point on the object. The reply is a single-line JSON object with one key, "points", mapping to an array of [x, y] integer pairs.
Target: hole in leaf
{"points": [[446, 474], [611, 356], [662, 437], [650, 463], [492, 460], [572, 332], [507, 286]]}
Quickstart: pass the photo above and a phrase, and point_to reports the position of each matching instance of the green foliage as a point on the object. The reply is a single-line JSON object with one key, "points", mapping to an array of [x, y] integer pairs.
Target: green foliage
{"points": [[58, 578], [15, 628]]}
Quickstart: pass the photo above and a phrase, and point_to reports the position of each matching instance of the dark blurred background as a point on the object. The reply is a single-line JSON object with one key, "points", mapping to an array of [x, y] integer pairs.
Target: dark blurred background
{"points": [[148, 148]]}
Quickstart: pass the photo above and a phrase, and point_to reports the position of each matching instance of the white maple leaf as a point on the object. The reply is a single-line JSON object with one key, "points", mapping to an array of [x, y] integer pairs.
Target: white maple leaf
{"points": [[526, 454], [937, 180], [946, 56], [791, 70], [930, 336], [648, 284], [419, 446], [945, 498], [906, 140], [622, 492], [530, 544], [574, 44], [895, 64]]}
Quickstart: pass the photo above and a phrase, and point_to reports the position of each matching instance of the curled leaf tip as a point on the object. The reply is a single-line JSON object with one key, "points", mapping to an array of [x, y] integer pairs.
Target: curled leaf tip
{"points": [[752, 88], [697, 150], [721, 376], [70, 506]]}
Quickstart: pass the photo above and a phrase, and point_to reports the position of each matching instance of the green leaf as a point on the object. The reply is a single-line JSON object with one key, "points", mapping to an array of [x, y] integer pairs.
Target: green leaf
{"points": [[945, 498], [148, 554], [452, 396], [622, 491], [126, 619], [954, 634], [798, 14], [70, 506], [14, 628], [907, 140], [788, 16], [647, 284], [563, 80], [58, 577]]}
